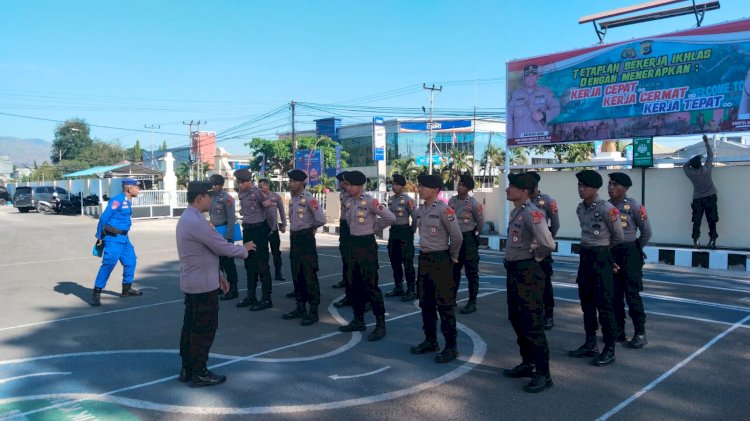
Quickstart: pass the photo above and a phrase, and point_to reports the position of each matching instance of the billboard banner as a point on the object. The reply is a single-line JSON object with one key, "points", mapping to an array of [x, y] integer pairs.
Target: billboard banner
{"points": [[437, 126], [378, 139], [311, 162], [688, 82]]}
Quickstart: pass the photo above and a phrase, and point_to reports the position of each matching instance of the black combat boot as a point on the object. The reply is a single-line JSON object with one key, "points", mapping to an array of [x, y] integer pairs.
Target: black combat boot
{"points": [[620, 336], [312, 316], [298, 313], [206, 378], [96, 297], [409, 294], [428, 345], [711, 243], [538, 383], [588, 349], [341, 284], [248, 301], [448, 354], [262, 305], [277, 275], [607, 356], [521, 370], [344, 302], [469, 308], [397, 291], [696, 244], [549, 322], [186, 374], [231, 294], [129, 291], [639, 339], [292, 294], [379, 332], [356, 325]]}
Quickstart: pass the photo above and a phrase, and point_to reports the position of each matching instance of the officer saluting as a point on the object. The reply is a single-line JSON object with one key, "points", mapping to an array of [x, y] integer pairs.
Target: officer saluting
{"points": [[199, 247], [364, 214], [222, 214], [401, 240], [306, 217], [529, 241], [435, 284], [548, 205], [256, 227], [470, 216], [600, 231], [112, 231], [628, 256]]}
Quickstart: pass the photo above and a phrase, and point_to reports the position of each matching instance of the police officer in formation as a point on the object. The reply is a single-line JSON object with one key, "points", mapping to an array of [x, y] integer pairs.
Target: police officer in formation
{"points": [[470, 216], [274, 241], [600, 231], [629, 257], [440, 241], [401, 240], [199, 247], [256, 227], [529, 241], [306, 216], [343, 241], [365, 215], [222, 214], [548, 205], [112, 233]]}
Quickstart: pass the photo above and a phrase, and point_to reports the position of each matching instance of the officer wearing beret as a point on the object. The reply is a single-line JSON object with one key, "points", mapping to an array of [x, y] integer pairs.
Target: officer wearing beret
{"points": [[529, 241], [401, 240], [343, 241], [199, 247], [112, 232], [470, 217], [600, 231], [306, 217], [279, 224], [222, 213], [531, 107], [365, 215], [628, 256], [704, 195], [548, 205], [256, 227]]}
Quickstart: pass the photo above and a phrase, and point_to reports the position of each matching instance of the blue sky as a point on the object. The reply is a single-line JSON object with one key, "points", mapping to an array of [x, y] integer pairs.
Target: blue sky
{"points": [[126, 64]]}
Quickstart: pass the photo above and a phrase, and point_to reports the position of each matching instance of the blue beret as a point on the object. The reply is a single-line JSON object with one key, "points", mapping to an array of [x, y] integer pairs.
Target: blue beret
{"points": [[129, 182]]}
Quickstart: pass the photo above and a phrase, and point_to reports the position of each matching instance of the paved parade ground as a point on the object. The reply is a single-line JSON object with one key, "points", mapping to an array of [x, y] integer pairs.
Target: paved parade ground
{"points": [[62, 359]]}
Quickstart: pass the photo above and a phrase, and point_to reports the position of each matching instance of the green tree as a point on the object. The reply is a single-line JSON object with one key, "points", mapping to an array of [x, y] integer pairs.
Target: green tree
{"points": [[325, 183], [102, 153], [163, 146], [182, 172], [406, 167], [71, 138], [460, 162], [136, 153], [569, 152], [278, 153]]}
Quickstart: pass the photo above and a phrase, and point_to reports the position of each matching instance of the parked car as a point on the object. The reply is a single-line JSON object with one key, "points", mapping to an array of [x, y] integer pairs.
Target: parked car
{"points": [[26, 198], [4, 196]]}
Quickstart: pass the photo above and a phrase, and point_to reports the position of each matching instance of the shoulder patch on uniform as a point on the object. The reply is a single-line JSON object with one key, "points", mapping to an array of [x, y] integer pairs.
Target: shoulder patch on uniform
{"points": [[537, 217], [642, 211], [553, 206], [411, 204], [613, 213], [314, 204], [115, 204], [229, 200], [450, 211], [480, 209], [375, 202]]}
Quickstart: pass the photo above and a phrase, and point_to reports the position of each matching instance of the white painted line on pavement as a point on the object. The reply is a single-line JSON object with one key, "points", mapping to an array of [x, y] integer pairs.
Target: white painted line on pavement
{"points": [[369, 373], [70, 259], [52, 373]]}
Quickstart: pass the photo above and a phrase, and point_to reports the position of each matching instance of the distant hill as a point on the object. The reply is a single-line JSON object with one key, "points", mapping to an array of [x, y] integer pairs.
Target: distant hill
{"points": [[25, 151]]}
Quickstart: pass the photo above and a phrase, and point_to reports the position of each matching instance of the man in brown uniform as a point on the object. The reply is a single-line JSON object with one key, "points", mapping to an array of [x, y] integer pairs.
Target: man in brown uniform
{"points": [[343, 242], [274, 241], [470, 217], [531, 107], [401, 240], [222, 214]]}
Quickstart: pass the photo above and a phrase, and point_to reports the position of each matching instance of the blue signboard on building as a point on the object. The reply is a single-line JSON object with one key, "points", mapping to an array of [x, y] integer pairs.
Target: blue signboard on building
{"points": [[311, 162]]}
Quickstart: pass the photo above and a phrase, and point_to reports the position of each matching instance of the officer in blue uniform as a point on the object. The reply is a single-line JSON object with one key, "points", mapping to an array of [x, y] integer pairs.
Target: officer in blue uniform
{"points": [[112, 231]]}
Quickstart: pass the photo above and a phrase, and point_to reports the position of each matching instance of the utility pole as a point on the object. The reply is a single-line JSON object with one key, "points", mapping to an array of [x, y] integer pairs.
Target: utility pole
{"points": [[432, 90], [294, 138], [196, 164], [151, 140]]}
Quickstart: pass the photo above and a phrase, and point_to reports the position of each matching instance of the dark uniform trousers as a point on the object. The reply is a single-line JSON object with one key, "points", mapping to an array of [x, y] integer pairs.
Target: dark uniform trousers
{"points": [[362, 259], [303, 256], [468, 259], [628, 285], [274, 242], [401, 254], [549, 296], [344, 235], [596, 291], [525, 287], [199, 326], [436, 290], [707, 205], [228, 266], [256, 263]]}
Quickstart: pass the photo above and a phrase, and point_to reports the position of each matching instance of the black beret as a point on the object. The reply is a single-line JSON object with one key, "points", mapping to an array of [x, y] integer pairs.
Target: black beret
{"points": [[590, 178], [243, 175], [341, 176], [695, 161], [297, 175], [468, 181], [216, 180], [199, 187], [355, 178], [399, 179], [522, 181], [430, 181], [535, 174], [531, 69], [621, 178]]}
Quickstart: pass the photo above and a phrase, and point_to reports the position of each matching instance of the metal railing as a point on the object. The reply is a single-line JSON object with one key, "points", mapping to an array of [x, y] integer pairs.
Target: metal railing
{"points": [[151, 198]]}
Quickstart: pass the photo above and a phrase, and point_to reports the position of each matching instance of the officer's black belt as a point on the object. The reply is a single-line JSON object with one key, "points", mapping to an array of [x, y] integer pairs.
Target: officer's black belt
{"points": [[594, 248], [629, 244], [110, 230], [254, 225], [362, 239], [400, 227], [302, 233], [433, 253], [523, 263]]}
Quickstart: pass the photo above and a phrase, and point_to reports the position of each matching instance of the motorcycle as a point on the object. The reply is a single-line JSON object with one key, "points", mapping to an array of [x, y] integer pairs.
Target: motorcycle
{"points": [[63, 206]]}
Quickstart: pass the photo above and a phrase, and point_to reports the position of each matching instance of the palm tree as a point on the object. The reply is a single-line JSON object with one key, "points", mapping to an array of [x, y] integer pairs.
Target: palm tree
{"points": [[407, 167], [460, 162], [492, 155]]}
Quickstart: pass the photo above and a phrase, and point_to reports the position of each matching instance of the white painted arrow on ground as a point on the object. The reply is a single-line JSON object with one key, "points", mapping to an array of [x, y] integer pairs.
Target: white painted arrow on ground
{"points": [[369, 373]]}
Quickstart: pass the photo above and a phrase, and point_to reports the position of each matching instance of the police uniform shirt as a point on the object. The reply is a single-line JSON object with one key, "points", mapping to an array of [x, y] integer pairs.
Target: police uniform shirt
{"points": [[469, 213], [633, 217], [222, 211], [703, 184], [117, 215], [600, 224], [343, 199], [548, 205], [403, 207], [362, 215], [305, 213], [437, 225], [528, 234], [253, 207], [276, 210], [199, 247], [523, 103]]}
